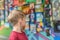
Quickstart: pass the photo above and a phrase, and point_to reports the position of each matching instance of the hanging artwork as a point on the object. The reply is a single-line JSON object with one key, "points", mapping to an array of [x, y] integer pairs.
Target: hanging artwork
{"points": [[1, 4]]}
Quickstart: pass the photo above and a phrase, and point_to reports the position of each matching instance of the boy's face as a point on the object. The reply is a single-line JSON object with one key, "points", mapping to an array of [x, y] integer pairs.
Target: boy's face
{"points": [[22, 22]]}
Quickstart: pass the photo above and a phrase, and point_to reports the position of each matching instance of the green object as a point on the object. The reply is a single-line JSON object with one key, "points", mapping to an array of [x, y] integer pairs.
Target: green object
{"points": [[30, 1], [5, 31], [43, 1], [0, 23]]}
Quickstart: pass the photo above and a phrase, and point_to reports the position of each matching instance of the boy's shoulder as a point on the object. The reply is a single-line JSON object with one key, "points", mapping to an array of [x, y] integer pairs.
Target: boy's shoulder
{"points": [[13, 33], [13, 36]]}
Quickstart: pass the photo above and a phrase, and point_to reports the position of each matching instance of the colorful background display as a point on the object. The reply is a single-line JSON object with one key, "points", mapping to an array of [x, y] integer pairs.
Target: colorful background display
{"points": [[41, 19]]}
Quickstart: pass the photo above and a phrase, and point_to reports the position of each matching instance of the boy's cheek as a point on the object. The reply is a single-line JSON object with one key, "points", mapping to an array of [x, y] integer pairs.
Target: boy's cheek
{"points": [[23, 24]]}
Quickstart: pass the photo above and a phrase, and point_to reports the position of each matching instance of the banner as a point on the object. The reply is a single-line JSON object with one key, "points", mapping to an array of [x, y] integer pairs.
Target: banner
{"points": [[1, 4]]}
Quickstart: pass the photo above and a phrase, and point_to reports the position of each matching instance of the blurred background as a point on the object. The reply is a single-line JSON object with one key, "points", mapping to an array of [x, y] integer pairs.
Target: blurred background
{"points": [[42, 19]]}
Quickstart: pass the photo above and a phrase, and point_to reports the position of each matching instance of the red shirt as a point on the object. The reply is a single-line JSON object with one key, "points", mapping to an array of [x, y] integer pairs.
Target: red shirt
{"points": [[18, 36]]}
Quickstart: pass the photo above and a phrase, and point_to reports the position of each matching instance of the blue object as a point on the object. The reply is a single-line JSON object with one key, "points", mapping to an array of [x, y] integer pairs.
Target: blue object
{"points": [[57, 38]]}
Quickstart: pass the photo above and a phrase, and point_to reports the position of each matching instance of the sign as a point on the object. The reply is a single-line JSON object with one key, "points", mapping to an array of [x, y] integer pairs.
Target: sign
{"points": [[1, 4]]}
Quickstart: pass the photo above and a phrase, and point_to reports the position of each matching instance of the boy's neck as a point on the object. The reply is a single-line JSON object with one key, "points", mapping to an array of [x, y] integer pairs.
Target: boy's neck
{"points": [[17, 29]]}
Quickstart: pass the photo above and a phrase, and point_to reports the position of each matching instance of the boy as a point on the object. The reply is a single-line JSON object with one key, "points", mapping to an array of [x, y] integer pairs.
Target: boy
{"points": [[17, 19]]}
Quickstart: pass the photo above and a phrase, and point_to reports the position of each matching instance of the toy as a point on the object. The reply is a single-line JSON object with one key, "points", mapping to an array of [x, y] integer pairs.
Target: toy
{"points": [[47, 32], [39, 28], [47, 1], [31, 5], [26, 9]]}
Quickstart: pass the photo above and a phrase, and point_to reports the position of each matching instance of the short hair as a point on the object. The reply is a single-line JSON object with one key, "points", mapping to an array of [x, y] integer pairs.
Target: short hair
{"points": [[14, 16]]}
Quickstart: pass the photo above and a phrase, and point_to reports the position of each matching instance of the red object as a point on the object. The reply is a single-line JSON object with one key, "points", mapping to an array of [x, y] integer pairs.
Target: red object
{"points": [[47, 1], [15, 2], [18, 36], [18, 2]]}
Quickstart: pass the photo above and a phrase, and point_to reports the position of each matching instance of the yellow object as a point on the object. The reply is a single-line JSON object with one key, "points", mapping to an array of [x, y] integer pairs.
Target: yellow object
{"points": [[19, 8], [1, 4], [39, 29], [41, 24], [26, 9], [40, 9]]}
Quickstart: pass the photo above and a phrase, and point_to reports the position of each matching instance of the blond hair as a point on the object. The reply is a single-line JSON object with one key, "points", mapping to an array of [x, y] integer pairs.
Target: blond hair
{"points": [[14, 16]]}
